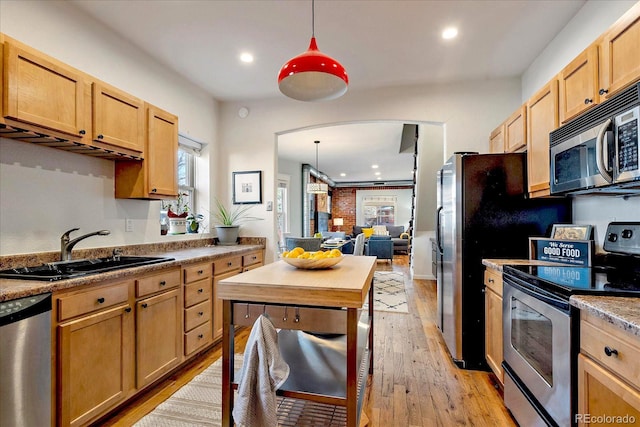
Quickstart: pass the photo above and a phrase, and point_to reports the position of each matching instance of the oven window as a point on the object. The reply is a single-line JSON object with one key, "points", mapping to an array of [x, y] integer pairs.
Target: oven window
{"points": [[531, 336]]}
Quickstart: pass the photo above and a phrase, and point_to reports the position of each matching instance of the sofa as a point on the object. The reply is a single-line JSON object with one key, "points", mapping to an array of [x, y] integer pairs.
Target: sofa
{"points": [[399, 237], [379, 246]]}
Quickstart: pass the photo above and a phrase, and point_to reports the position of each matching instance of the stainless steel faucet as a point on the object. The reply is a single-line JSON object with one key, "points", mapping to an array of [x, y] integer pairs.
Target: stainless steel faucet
{"points": [[67, 245]]}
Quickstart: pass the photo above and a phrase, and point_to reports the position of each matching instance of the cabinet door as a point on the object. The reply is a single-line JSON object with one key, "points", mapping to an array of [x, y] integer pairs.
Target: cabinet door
{"points": [[217, 303], [579, 84], [158, 335], [42, 92], [496, 140], [620, 50], [602, 394], [493, 332], [542, 118], [95, 359], [118, 118], [162, 152], [515, 131]]}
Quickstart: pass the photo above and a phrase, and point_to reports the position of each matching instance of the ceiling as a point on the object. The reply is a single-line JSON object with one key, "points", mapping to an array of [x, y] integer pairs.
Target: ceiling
{"points": [[380, 43]]}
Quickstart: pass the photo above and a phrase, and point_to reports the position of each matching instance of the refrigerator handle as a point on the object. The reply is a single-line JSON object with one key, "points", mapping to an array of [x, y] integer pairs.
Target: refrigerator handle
{"points": [[438, 234]]}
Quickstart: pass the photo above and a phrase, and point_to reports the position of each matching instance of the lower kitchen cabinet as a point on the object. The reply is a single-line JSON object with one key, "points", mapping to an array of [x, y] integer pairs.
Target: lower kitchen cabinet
{"points": [[95, 353], [608, 374], [198, 290], [158, 335], [493, 321]]}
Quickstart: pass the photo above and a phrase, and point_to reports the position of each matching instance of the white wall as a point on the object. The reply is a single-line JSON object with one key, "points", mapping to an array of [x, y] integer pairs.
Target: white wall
{"points": [[249, 144], [294, 171], [43, 191], [591, 21]]}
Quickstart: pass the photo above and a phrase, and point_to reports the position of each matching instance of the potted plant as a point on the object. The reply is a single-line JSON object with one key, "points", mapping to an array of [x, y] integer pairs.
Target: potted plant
{"points": [[178, 215], [228, 222]]}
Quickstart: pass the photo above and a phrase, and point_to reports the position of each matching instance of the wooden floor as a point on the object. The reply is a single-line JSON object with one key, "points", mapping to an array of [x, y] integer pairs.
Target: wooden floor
{"points": [[415, 383]]}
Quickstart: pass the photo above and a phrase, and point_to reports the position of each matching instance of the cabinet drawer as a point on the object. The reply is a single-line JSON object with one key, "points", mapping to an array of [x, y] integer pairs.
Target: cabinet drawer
{"points": [[197, 292], [493, 280], [227, 264], [597, 339], [197, 338], [157, 282], [253, 258], [92, 300], [197, 272], [197, 315]]}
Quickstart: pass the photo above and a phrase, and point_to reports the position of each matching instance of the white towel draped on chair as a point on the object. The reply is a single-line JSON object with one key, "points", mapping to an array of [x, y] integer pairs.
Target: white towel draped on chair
{"points": [[263, 372]]}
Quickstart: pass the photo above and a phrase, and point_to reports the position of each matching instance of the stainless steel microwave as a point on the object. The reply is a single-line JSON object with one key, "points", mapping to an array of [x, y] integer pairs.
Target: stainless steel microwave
{"points": [[599, 150]]}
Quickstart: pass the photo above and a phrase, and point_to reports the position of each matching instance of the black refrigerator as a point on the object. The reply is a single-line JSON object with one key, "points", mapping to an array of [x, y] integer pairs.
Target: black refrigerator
{"points": [[483, 212]]}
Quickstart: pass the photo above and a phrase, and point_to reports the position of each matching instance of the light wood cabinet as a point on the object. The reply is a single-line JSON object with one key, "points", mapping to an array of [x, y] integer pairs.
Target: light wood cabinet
{"points": [[493, 322], [515, 131], [619, 53], [608, 372], [496, 140], [198, 311], [158, 336], [579, 84], [542, 118], [222, 269], [156, 177], [118, 118], [95, 353], [41, 91], [158, 325]]}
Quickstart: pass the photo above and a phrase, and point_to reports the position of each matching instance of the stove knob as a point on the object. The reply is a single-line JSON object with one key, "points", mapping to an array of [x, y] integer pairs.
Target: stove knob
{"points": [[626, 234], [612, 237]]}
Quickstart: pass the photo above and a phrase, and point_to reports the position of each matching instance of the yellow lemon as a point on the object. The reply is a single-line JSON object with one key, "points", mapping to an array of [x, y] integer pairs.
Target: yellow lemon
{"points": [[304, 255], [335, 253], [284, 254], [319, 255]]}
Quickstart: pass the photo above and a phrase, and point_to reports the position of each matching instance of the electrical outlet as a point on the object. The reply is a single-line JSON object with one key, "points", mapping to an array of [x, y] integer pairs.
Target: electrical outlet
{"points": [[128, 227], [269, 206]]}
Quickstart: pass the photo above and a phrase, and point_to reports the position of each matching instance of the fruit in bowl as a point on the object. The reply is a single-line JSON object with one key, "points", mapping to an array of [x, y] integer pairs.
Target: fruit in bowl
{"points": [[300, 258]]}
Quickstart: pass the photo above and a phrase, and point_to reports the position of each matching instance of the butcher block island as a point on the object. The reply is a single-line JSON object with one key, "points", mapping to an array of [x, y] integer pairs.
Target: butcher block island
{"points": [[318, 313]]}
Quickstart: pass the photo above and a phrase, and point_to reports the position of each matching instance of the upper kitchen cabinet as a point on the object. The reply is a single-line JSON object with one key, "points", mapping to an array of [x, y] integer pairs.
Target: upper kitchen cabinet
{"points": [[496, 140], [117, 117], [515, 131], [579, 84], [542, 118], [156, 176], [40, 91], [619, 53]]}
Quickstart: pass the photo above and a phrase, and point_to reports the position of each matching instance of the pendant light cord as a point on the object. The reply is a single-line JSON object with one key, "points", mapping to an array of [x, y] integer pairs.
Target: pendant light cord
{"points": [[313, 18]]}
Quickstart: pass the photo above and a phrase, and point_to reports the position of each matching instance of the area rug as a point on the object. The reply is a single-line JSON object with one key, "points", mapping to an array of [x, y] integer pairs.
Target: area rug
{"points": [[198, 403], [388, 292]]}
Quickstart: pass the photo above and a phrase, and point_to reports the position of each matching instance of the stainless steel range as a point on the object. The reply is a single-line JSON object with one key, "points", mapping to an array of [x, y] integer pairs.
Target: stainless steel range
{"points": [[541, 328]]}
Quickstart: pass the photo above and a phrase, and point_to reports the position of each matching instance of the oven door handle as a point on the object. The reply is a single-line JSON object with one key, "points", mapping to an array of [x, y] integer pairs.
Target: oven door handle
{"points": [[602, 151], [539, 294]]}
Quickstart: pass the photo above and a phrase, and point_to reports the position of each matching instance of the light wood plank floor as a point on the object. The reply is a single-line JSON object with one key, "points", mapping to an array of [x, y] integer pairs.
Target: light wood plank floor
{"points": [[415, 383]]}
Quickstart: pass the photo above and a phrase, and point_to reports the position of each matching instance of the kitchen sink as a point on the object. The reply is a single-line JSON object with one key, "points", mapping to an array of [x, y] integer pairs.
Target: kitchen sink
{"points": [[76, 268]]}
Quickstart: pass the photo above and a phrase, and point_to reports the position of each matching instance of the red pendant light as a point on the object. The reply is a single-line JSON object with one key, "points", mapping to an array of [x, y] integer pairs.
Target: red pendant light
{"points": [[312, 75]]}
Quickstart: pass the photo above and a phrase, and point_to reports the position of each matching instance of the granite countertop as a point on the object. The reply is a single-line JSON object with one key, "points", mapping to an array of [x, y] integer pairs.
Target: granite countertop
{"points": [[12, 288], [623, 312]]}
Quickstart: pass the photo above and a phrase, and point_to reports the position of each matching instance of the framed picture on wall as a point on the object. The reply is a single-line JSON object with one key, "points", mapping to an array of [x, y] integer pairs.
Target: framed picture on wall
{"points": [[571, 232], [247, 187]]}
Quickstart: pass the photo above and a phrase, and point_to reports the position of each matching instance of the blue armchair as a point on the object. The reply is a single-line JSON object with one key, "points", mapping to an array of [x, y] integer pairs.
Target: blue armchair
{"points": [[380, 247]]}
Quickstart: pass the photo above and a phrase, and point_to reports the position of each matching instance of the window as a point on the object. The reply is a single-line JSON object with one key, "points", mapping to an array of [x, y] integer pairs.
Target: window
{"points": [[379, 210], [188, 150]]}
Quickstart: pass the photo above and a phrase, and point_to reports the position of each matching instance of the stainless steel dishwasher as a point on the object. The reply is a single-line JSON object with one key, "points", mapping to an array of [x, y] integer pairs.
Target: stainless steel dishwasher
{"points": [[25, 361]]}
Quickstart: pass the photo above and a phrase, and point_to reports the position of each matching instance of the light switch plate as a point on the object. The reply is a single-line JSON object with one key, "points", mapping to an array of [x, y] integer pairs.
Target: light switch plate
{"points": [[128, 227], [269, 206]]}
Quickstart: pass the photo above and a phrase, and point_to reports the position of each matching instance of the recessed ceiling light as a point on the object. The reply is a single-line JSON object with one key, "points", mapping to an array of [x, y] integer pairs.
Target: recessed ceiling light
{"points": [[377, 173], [379, 177], [449, 33], [374, 166], [246, 57], [343, 174]]}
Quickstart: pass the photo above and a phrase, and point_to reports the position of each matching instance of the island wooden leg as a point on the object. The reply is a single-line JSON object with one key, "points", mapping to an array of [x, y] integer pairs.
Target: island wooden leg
{"points": [[371, 328], [352, 368], [227, 364]]}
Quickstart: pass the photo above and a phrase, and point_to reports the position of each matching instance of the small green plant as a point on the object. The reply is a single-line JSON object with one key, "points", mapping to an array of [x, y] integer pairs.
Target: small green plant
{"points": [[236, 216], [181, 209]]}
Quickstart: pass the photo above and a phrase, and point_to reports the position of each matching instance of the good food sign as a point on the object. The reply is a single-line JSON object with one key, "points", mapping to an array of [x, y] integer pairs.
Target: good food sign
{"points": [[576, 252]]}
